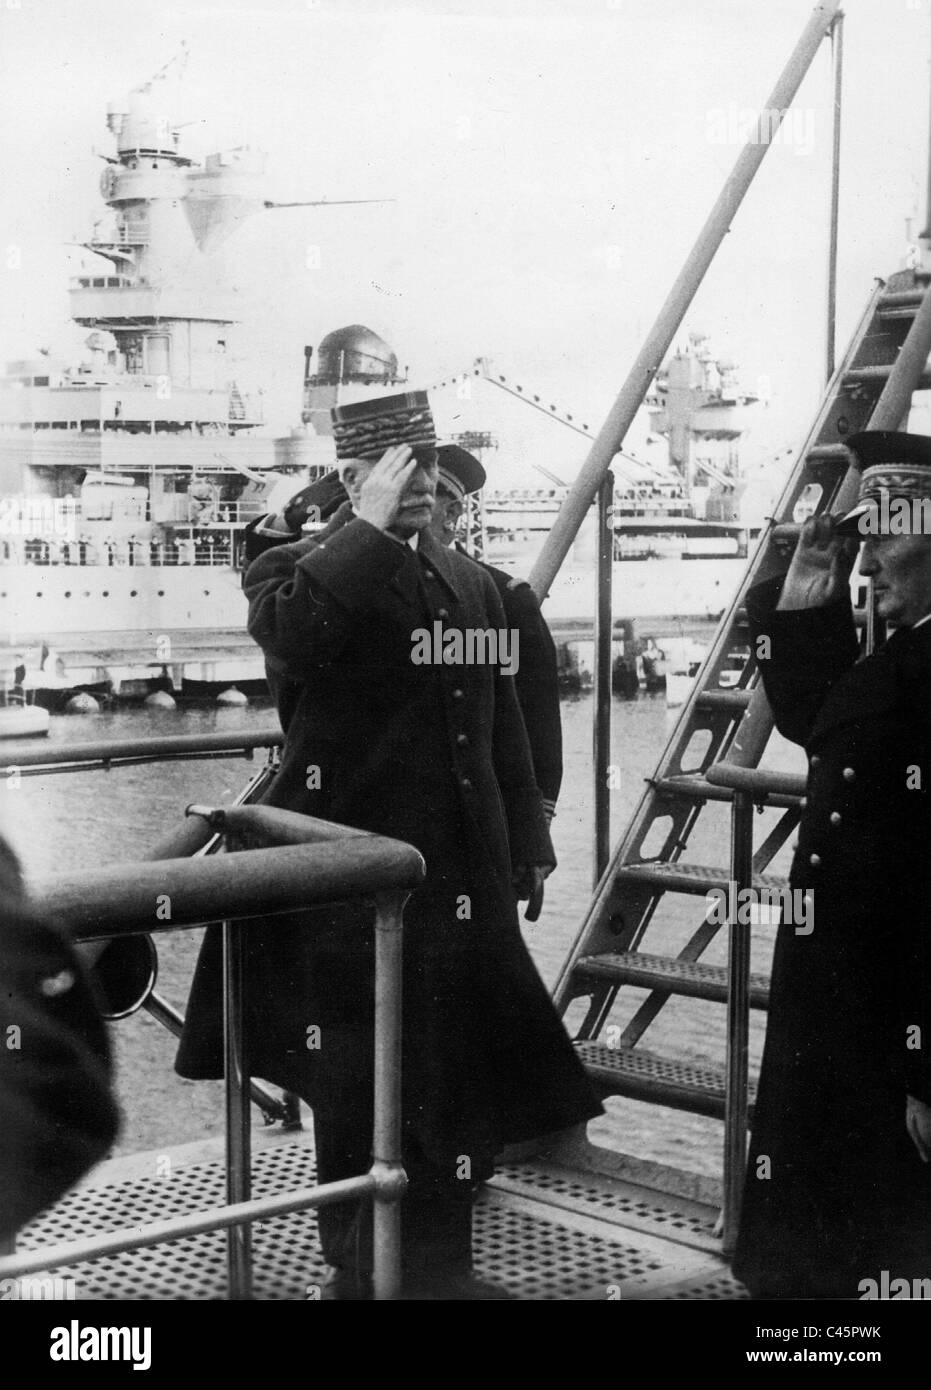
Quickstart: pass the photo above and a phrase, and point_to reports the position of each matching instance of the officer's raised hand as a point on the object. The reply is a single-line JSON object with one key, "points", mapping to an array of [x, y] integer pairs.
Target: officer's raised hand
{"points": [[820, 568], [397, 493]]}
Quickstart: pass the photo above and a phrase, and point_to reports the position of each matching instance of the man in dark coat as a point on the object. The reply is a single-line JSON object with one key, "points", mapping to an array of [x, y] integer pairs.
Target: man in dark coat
{"points": [[536, 682], [57, 1112], [838, 1185], [435, 755]]}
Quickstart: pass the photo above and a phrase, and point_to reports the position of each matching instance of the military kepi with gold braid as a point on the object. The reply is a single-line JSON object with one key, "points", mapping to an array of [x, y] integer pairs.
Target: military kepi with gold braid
{"points": [[365, 429]]}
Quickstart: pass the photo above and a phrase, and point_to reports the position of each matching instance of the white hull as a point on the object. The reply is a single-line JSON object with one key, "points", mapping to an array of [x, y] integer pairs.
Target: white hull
{"points": [[38, 601]]}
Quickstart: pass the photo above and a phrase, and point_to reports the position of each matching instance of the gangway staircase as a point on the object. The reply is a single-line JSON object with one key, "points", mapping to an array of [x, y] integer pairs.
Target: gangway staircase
{"points": [[725, 721]]}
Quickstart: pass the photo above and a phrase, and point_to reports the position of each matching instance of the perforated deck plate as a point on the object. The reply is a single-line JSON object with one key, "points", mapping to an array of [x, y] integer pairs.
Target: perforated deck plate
{"points": [[542, 1233]]}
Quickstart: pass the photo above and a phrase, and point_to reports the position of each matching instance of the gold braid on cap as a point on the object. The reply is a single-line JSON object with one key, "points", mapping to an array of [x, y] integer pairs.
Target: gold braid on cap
{"points": [[895, 480], [369, 438]]}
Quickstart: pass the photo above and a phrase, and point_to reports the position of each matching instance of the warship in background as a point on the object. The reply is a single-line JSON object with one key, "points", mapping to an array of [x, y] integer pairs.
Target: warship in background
{"points": [[126, 480]]}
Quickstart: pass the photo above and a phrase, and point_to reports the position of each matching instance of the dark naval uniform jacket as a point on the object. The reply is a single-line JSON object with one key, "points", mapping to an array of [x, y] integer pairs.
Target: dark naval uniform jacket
{"points": [[836, 1191], [435, 755]]}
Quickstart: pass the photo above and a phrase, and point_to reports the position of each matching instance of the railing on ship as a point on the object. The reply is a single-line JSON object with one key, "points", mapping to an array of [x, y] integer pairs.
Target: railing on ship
{"points": [[43, 759], [304, 863]]}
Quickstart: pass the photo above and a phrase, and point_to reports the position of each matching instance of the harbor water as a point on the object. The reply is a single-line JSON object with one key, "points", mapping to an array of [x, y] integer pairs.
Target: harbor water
{"points": [[89, 819]]}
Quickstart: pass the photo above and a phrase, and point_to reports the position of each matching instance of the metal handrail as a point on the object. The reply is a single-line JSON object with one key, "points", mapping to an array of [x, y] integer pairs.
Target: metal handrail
{"points": [[74, 757], [611, 437], [331, 864], [190, 838], [751, 786]]}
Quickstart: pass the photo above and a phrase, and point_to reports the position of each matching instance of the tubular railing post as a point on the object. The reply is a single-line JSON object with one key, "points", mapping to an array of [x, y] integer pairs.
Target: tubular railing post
{"points": [[613, 431], [837, 56], [738, 1021], [390, 1179], [602, 694], [238, 1145]]}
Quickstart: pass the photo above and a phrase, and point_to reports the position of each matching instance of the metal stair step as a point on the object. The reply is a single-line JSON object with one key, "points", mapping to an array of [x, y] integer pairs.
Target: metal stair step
{"points": [[901, 304], [724, 699], [692, 978], [694, 786], [640, 1075], [689, 878], [877, 376], [829, 453]]}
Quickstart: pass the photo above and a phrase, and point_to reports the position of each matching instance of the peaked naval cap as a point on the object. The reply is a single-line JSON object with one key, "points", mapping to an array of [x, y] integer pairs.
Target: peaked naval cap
{"points": [[460, 472], [892, 464]]}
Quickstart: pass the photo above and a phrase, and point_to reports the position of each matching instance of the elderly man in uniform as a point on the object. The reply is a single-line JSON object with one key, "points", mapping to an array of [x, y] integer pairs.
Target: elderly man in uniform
{"points": [[838, 1186], [536, 682], [435, 755]]}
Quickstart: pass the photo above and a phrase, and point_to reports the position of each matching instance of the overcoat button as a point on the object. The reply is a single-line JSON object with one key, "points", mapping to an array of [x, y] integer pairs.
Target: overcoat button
{"points": [[803, 802], [442, 612], [848, 774], [466, 784], [457, 694], [835, 817], [428, 574], [815, 759], [462, 740], [814, 860]]}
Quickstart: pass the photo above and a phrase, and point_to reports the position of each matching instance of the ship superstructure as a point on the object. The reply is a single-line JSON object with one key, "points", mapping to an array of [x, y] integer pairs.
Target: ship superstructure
{"points": [[148, 454]]}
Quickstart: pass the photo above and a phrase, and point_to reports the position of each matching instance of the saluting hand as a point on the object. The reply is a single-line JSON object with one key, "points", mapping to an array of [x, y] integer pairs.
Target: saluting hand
{"points": [[820, 568], [381, 493]]}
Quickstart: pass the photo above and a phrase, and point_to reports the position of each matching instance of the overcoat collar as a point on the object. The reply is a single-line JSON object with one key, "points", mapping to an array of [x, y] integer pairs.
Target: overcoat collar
{"points": [[405, 581]]}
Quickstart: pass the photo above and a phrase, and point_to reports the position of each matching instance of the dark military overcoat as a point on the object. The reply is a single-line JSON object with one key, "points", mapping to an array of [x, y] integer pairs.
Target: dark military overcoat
{"points": [[435, 755], [536, 682], [836, 1191]]}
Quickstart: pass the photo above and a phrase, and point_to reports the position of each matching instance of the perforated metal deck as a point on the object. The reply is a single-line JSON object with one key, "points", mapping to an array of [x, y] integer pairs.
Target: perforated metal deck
{"points": [[544, 1233]]}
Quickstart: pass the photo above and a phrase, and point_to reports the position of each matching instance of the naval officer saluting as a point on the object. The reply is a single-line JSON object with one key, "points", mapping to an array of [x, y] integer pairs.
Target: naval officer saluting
{"points": [[838, 1184], [434, 755]]}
